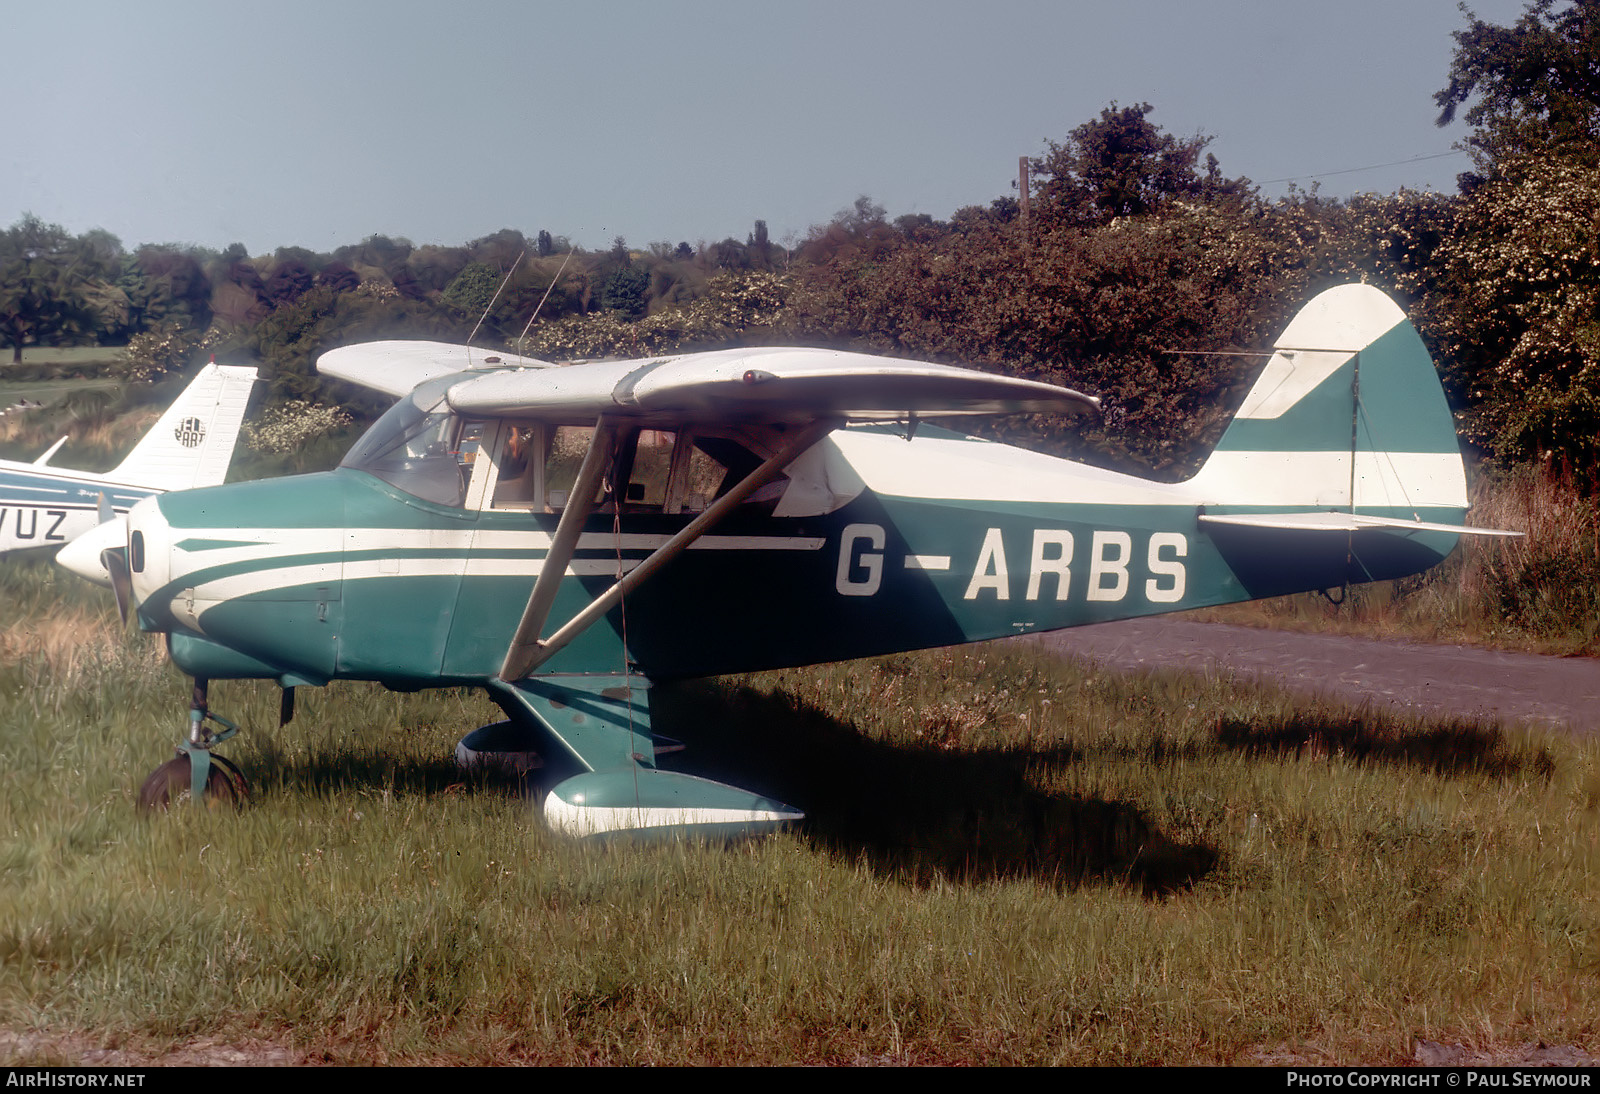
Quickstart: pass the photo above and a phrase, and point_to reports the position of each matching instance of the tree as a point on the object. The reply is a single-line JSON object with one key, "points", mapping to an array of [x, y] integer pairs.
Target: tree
{"points": [[730, 254], [160, 286], [1523, 324], [1534, 87], [295, 254], [626, 292], [1121, 164], [239, 294], [500, 251], [407, 285], [101, 249], [338, 277], [42, 282], [388, 255], [859, 231], [290, 278], [436, 267], [473, 289], [758, 247], [918, 226], [733, 310]]}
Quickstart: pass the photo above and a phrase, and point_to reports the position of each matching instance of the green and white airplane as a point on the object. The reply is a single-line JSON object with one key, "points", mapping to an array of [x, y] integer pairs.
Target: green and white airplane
{"points": [[564, 536]]}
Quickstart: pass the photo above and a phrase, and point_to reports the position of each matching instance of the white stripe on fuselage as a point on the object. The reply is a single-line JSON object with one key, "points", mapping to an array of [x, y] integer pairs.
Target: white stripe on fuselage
{"points": [[245, 544], [255, 582], [279, 553]]}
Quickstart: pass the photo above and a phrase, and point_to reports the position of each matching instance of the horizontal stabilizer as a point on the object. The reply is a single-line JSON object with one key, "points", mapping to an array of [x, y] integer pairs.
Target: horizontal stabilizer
{"points": [[396, 367], [53, 449], [768, 384], [1344, 522]]}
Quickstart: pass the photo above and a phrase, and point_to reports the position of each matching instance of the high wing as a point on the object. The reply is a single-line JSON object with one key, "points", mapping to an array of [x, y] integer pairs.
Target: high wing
{"points": [[397, 367], [772, 384]]}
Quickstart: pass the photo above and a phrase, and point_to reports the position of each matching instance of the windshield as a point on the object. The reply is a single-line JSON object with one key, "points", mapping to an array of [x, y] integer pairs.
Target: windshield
{"points": [[415, 447]]}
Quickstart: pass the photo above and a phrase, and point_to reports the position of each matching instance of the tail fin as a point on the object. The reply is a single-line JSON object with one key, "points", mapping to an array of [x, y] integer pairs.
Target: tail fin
{"points": [[1342, 464], [1348, 415], [192, 444]]}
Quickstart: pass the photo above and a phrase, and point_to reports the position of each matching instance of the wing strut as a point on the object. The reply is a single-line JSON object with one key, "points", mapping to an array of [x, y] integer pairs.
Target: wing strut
{"points": [[528, 651], [581, 502]]}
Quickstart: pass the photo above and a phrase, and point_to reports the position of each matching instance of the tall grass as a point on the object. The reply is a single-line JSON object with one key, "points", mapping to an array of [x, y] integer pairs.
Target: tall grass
{"points": [[102, 421], [1006, 859]]}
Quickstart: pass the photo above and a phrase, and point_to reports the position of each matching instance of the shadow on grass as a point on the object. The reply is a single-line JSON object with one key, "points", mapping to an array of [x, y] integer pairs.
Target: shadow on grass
{"points": [[921, 813], [1443, 748], [341, 770]]}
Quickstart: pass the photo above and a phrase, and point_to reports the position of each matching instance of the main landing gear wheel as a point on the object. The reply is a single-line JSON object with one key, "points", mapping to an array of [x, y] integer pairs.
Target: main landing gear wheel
{"points": [[171, 782]]}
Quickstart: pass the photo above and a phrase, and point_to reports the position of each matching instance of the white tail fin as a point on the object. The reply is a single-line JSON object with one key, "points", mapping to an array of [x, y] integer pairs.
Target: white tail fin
{"points": [[1348, 414], [192, 444]]}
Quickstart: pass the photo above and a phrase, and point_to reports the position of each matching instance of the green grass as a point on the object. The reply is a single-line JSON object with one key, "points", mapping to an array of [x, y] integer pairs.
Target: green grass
{"points": [[1006, 860], [49, 391], [64, 355]]}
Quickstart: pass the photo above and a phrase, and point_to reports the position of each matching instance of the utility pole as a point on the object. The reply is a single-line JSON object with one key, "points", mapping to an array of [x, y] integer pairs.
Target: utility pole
{"points": [[1022, 191]]}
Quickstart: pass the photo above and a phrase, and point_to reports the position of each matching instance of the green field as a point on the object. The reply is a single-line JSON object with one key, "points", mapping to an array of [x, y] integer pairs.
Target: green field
{"points": [[65, 355], [1006, 860], [49, 391]]}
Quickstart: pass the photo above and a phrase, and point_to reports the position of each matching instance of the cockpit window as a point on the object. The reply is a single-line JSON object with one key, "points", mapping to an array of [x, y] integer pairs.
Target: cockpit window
{"points": [[648, 470], [419, 447]]}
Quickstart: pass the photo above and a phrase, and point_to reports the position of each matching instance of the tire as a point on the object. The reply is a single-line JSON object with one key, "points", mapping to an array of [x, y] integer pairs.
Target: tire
{"points": [[225, 785]]}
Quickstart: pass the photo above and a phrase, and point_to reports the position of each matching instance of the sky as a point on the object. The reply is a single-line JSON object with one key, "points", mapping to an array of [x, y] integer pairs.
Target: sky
{"points": [[318, 124]]}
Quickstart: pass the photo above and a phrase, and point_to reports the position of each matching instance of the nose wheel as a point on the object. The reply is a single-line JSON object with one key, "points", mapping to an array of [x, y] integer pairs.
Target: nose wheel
{"points": [[224, 784], [197, 772]]}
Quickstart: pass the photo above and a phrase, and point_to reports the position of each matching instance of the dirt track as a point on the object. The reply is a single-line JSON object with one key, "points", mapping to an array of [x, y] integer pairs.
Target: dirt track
{"points": [[1488, 684]]}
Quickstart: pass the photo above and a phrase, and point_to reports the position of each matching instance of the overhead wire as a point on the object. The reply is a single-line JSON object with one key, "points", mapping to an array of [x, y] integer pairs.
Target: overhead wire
{"points": [[1369, 167]]}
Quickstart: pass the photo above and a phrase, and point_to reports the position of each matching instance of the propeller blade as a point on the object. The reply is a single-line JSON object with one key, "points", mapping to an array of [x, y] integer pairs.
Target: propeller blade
{"points": [[115, 560]]}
